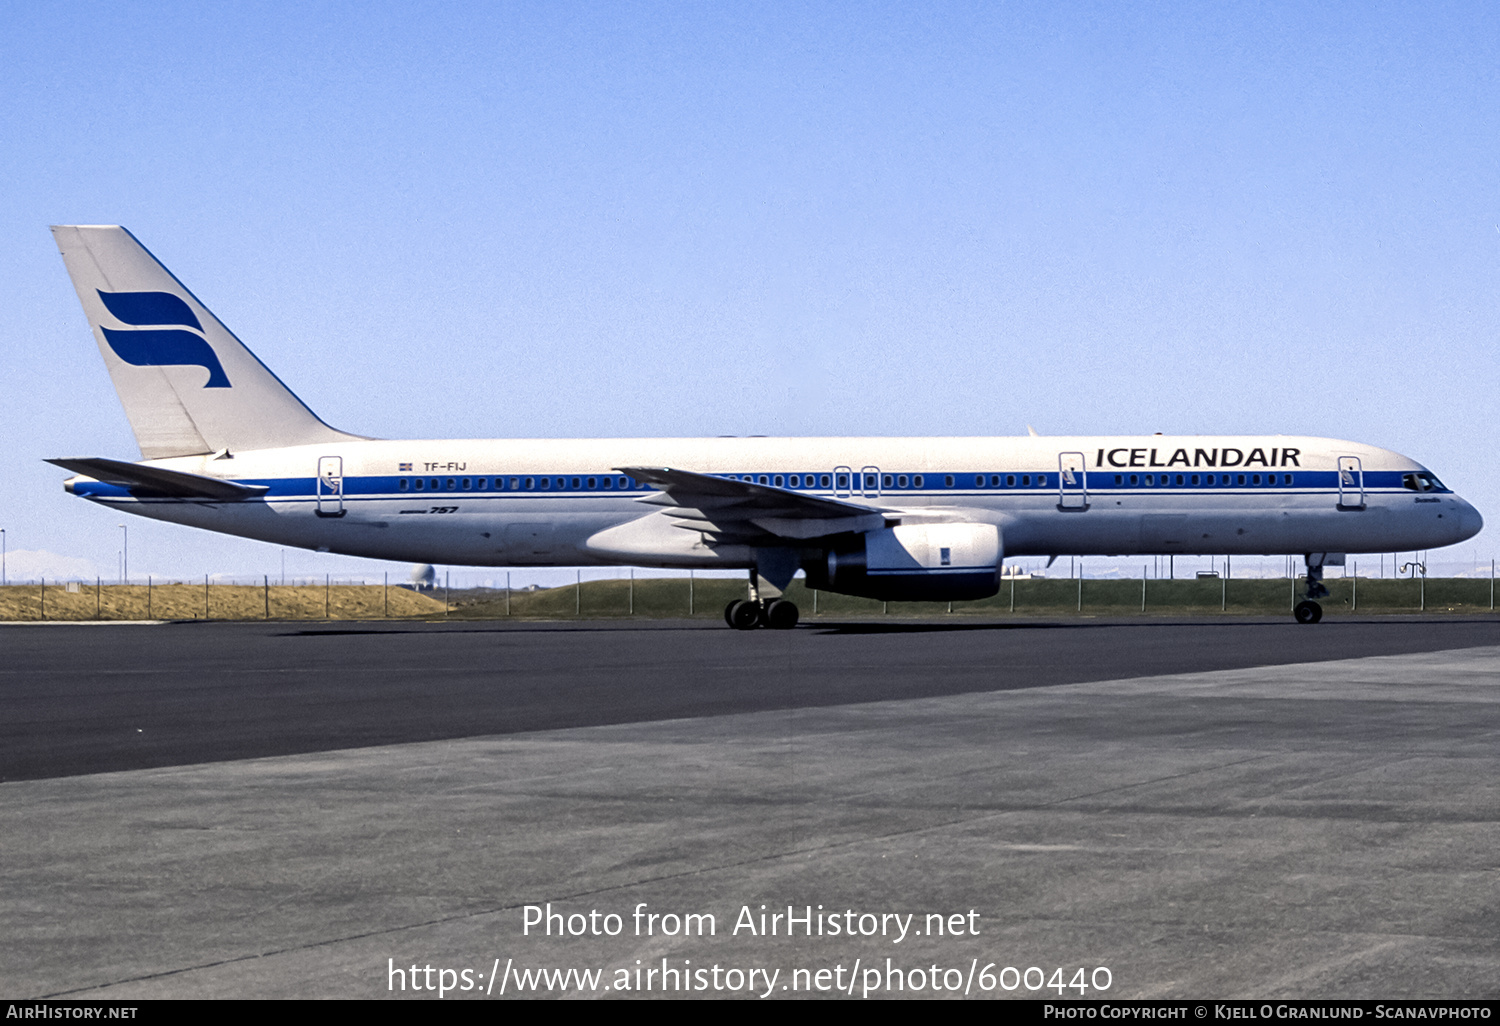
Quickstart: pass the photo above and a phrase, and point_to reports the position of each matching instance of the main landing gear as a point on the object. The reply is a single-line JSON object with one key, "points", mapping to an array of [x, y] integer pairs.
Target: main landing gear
{"points": [[1308, 610], [746, 614]]}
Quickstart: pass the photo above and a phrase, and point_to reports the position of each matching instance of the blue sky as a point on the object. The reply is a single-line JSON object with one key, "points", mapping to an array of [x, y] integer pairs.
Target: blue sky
{"points": [[680, 219]]}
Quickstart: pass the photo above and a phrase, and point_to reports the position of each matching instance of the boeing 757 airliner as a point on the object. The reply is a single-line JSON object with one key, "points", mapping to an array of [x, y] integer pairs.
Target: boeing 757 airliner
{"points": [[227, 447]]}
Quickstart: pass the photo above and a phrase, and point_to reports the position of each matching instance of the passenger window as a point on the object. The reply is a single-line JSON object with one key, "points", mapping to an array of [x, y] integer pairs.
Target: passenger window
{"points": [[1255, 479], [530, 483], [843, 481], [1209, 479], [467, 483], [404, 484], [777, 480], [1179, 480], [901, 481], [1242, 479], [1119, 479], [1010, 480], [577, 483], [1135, 479], [1026, 480], [917, 481], [947, 480], [1150, 479]]}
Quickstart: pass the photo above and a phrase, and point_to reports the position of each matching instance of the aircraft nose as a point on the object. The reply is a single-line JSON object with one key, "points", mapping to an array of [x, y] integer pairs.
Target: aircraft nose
{"points": [[1469, 521]]}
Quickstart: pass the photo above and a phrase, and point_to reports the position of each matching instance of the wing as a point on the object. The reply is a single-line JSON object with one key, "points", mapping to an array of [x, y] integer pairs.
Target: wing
{"points": [[159, 481], [743, 510]]}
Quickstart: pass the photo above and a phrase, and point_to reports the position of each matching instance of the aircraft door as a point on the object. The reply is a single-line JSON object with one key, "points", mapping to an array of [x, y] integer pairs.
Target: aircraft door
{"points": [[1072, 482], [330, 486], [871, 482], [1351, 483], [843, 482]]}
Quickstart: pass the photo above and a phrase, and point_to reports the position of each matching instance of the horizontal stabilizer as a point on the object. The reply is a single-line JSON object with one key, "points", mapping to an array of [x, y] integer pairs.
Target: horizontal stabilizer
{"points": [[160, 480]]}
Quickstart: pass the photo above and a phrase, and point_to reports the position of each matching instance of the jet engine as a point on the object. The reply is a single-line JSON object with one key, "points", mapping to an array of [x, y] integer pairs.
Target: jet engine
{"points": [[915, 562]]}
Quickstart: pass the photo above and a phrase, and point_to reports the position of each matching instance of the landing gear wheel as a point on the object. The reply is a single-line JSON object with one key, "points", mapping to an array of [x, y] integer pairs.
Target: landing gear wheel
{"points": [[744, 615], [781, 615], [729, 611], [1308, 612]]}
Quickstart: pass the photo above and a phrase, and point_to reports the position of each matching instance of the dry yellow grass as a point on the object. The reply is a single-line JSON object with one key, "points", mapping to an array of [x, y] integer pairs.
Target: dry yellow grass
{"points": [[216, 602]]}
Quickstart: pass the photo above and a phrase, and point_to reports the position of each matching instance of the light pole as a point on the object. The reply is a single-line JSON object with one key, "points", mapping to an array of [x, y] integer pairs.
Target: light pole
{"points": [[124, 554]]}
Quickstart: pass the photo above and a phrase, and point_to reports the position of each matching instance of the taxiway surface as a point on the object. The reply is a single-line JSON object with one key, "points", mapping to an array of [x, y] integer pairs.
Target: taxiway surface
{"points": [[1208, 810]]}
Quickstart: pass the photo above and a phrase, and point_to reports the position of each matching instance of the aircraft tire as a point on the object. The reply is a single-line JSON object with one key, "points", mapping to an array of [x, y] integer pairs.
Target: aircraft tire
{"points": [[781, 615], [745, 615], [729, 612], [1308, 612]]}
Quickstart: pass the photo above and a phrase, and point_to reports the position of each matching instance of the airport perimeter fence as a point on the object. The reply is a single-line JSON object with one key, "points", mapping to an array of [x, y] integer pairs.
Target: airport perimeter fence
{"points": [[687, 597]]}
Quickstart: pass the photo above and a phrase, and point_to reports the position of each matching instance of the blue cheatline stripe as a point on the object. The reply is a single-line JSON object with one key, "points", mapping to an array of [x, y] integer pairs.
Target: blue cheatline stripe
{"points": [[1293, 482]]}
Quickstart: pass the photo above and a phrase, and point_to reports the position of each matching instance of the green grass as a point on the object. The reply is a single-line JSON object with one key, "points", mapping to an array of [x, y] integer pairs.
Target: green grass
{"points": [[664, 598]]}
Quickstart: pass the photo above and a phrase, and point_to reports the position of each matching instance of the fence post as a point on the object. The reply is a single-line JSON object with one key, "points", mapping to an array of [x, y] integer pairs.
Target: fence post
{"points": [[1143, 588], [507, 593], [1012, 593], [386, 594], [327, 601], [630, 595], [98, 606], [690, 593], [44, 598], [578, 594], [1354, 589], [148, 596], [205, 596], [1224, 588], [266, 584]]}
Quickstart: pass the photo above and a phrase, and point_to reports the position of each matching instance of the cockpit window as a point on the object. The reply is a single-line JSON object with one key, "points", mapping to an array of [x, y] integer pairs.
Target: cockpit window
{"points": [[1422, 482]]}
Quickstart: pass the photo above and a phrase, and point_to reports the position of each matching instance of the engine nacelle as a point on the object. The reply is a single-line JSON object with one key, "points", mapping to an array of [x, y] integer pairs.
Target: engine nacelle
{"points": [[916, 562]]}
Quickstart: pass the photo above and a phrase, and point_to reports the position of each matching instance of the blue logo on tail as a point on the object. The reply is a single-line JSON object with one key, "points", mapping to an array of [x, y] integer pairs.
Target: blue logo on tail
{"points": [[159, 346]]}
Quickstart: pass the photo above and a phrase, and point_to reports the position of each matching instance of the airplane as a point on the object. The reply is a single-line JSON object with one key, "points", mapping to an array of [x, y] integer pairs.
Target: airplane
{"points": [[227, 447]]}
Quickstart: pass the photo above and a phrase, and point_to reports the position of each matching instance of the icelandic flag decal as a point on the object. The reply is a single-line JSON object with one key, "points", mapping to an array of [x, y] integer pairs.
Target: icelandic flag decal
{"points": [[164, 343], [406, 466]]}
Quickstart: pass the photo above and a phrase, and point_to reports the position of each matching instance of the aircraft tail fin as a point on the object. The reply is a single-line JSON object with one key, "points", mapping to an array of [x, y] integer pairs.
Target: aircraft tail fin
{"points": [[187, 384]]}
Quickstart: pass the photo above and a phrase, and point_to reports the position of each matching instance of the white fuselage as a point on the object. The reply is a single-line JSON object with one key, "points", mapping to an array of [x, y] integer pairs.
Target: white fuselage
{"points": [[563, 502]]}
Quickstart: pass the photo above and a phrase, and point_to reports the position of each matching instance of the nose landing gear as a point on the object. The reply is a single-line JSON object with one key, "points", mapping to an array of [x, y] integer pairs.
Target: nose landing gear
{"points": [[1308, 610]]}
